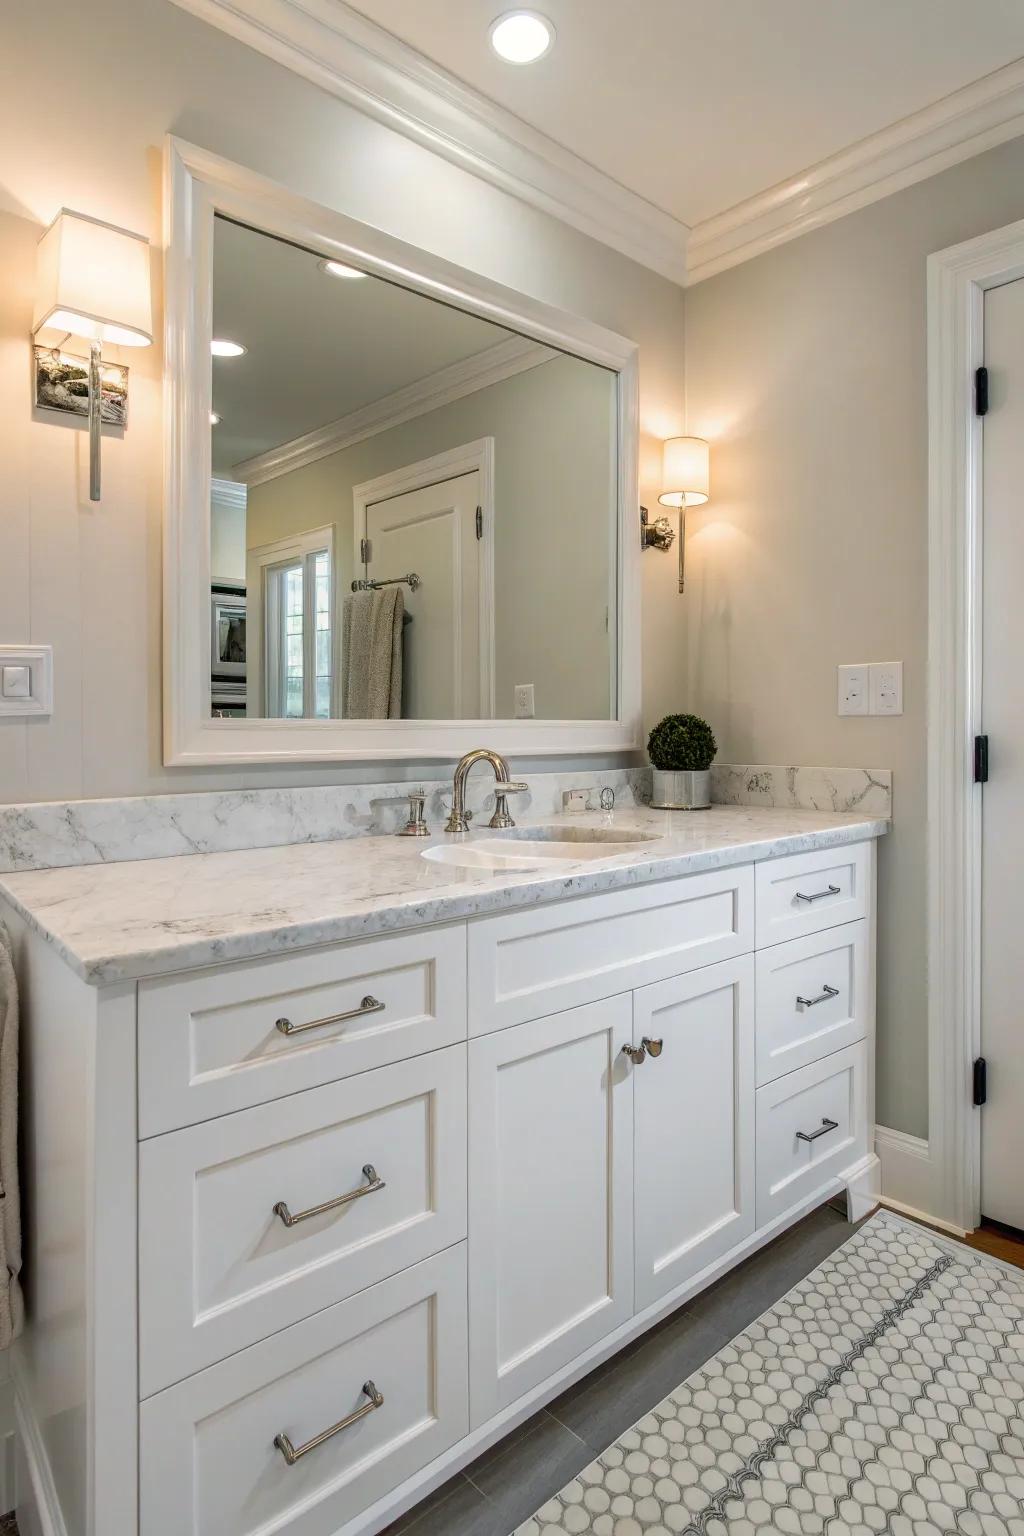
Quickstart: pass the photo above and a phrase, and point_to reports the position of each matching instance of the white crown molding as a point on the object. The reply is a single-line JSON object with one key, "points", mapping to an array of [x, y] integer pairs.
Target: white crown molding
{"points": [[345, 53], [987, 112], [227, 494], [515, 355]]}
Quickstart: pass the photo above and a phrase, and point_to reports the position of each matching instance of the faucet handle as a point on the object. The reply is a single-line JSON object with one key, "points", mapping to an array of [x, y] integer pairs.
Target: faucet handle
{"points": [[416, 826], [501, 818]]}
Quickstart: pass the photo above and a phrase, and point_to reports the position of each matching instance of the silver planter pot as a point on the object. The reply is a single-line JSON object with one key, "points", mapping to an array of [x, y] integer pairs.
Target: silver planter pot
{"points": [[681, 791]]}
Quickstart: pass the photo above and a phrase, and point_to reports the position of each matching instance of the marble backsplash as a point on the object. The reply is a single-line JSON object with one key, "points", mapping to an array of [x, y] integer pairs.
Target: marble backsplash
{"points": [[58, 834]]}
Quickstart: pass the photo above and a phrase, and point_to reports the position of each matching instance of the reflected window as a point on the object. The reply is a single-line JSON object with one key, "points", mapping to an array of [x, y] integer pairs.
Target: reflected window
{"points": [[298, 629]]}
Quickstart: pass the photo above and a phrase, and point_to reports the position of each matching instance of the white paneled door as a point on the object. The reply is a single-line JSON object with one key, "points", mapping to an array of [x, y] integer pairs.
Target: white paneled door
{"points": [[550, 1196], [694, 1115], [433, 532], [1002, 970]]}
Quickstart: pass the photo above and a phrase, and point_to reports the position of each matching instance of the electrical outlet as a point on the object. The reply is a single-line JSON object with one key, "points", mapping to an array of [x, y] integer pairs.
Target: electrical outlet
{"points": [[853, 689], [523, 695], [885, 688]]}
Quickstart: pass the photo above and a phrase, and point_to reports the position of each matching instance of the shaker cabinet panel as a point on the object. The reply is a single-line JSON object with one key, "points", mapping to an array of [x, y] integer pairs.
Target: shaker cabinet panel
{"points": [[551, 1196], [694, 1115]]}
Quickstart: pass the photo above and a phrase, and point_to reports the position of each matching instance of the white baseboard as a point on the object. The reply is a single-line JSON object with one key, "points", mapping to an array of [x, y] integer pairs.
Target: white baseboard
{"points": [[908, 1175]]}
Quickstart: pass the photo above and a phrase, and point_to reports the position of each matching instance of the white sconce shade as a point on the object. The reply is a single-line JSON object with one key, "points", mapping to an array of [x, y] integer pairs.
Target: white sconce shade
{"points": [[685, 472], [92, 280]]}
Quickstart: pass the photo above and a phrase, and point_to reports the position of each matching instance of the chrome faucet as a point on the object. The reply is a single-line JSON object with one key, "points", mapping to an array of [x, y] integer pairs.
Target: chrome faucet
{"points": [[458, 821]]}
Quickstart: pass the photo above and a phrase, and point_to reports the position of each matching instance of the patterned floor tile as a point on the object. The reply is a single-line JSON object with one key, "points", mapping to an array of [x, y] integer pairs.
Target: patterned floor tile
{"points": [[884, 1393]]}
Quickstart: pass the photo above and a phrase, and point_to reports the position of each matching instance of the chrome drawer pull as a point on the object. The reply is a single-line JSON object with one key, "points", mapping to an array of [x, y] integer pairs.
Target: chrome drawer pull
{"points": [[636, 1053], [292, 1454], [822, 997], [368, 1005], [833, 890], [823, 1130], [373, 1183], [653, 1047]]}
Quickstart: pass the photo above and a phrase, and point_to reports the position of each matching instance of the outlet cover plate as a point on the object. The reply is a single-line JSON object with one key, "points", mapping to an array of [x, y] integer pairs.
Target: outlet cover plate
{"points": [[885, 688]]}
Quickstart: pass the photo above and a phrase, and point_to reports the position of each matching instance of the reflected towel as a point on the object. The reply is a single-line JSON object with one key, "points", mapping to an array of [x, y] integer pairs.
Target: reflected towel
{"points": [[371, 665], [11, 1309]]}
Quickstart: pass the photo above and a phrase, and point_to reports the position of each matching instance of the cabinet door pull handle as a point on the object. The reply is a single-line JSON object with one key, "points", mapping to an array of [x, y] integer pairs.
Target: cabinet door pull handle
{"points": [[832, 890], [373, 1183], [822, 997], [653, 1047], [636, 1053], [368, 1005], [823, 1130], [292, 1453]]}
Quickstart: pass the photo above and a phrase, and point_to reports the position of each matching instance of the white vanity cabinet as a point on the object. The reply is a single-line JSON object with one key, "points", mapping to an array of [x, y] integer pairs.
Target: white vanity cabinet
{"points": [[353, 1212]]}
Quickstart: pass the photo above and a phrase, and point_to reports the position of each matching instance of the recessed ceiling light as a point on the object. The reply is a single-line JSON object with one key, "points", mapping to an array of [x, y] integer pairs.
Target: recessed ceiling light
{"points": [[521, 37], [221, 347], [339, 269], [214, 419]]}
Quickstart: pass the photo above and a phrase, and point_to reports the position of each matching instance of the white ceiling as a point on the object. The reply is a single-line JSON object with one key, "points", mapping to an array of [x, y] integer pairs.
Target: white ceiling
{"points": [[318, 347], [696, 105]]}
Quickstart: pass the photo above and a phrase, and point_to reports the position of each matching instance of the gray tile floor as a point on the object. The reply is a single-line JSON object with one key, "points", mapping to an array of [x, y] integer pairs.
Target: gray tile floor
{"points": [[513, 1479]]}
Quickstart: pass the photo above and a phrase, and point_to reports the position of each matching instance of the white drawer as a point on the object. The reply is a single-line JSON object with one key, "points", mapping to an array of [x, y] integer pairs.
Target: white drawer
{"points": [[524, 965], [210, 1042], [811, 1125], [806, 892], [209, 1464], [812, 998], [219, 1268]]}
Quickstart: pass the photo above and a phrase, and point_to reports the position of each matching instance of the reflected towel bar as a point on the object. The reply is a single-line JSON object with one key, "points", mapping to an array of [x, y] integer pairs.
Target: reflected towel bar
{"points": [[387, 581]]}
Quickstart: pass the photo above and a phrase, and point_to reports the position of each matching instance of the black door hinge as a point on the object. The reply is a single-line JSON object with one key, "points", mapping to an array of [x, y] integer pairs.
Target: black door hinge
{"points": [[981, 759], [981, 391], [479, 522], [979, 1086]]}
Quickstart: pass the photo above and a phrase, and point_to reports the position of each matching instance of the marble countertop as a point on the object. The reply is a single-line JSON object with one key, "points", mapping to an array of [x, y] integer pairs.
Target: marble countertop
{"points": [[147, 917]]}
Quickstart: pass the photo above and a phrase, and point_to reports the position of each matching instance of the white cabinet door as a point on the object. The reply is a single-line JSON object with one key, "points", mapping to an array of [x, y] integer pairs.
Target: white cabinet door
{"points": [[550, 1196], [694, 1115]]}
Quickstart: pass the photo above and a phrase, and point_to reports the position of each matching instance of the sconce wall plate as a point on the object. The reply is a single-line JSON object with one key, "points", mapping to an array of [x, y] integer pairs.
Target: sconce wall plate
{"points": [[657, 535]]}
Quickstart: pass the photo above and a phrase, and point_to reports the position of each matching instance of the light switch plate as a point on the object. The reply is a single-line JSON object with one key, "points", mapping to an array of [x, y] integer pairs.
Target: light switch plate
{"points": [[885, 688], [38, 660], [852, 696]]}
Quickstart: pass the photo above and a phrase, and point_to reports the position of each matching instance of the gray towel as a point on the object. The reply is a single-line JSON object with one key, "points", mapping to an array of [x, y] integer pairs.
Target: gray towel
{"points": [[11, 1308], [371, 664]]}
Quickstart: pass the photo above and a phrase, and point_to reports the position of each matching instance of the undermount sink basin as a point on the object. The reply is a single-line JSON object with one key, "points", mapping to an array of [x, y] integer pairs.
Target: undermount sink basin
{"points": [[537, 847]]}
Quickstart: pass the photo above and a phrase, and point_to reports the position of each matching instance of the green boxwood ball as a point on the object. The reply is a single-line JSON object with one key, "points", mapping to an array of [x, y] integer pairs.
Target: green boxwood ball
{"points": [[682, 744]]}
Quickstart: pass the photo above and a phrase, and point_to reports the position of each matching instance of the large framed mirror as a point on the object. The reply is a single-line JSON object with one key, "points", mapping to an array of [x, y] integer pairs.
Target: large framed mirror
{"points": [[401, 505]]}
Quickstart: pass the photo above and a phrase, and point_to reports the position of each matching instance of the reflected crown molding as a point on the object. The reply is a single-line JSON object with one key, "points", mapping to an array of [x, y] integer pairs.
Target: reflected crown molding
{"points": [[465, 377], [361, 63], [977, 117]]}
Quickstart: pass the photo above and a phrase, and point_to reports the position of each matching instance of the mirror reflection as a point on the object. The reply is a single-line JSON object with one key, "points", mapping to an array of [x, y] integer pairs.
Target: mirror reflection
{"points": [[413, 511]]}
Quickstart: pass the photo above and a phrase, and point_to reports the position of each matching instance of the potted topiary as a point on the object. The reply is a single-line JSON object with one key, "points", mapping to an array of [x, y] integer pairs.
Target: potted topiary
{"points": [[681, 749]]}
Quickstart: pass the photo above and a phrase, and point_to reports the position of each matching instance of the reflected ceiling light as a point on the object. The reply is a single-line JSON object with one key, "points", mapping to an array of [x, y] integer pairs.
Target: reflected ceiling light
{"points": [[339, 269], [521, 37], [214, 419], [221, 347]]}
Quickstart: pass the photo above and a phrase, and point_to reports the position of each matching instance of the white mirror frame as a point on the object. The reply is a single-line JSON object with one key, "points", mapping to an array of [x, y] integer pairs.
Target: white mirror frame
{"points": [[198, 185]]}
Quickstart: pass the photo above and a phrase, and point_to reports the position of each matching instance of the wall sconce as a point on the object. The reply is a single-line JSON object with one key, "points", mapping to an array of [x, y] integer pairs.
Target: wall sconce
{"points": [[92, 280], [685, 482]]}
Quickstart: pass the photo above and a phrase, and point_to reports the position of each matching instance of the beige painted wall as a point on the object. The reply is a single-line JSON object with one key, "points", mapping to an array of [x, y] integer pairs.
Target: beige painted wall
{"points": [[553, 428], [806, 369], [87, 578]]}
